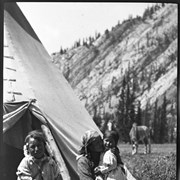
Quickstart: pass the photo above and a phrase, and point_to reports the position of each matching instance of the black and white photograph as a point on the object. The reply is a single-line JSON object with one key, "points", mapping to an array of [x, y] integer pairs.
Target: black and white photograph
{"points": [[89, 91]]}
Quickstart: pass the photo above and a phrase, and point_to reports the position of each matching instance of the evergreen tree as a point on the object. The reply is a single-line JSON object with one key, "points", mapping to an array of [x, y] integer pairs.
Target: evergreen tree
{"points": [[128, 73], [121, 114], [131, 114], [147, 37], [119, 120], [84, 42], [61, 51], [163, 4], [147, 113], [155, 121], [98, 35], [79, 43], [135, 87], [107, 33], [122, 106], [163, 124], [157, 7], [128, 100], [138, 116], [124, 83], [151, 11], [158, 126], [142, 76], [146, 13], [90, 40], [149, 82], [132, 108]]}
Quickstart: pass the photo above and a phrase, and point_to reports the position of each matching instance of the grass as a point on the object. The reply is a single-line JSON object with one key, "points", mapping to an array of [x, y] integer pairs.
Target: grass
{"points": [[159, 165]]}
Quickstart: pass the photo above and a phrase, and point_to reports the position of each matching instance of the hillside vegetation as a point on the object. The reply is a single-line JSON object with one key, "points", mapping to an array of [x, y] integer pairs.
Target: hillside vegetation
{"points": [[129, 73]]}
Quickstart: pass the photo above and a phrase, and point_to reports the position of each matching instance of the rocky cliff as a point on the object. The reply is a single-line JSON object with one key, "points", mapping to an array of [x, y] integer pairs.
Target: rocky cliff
{"points": [[137, 56]]}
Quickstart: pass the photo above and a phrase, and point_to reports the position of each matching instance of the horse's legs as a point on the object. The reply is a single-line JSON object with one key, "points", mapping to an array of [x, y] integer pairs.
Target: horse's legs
{"points": [[149, 143], [145, 143], [145, 152], [134, 148]]}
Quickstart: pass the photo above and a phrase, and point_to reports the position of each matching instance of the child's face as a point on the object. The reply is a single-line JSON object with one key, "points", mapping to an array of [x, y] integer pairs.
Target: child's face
{"points": [[109, 143], [36, 148]]}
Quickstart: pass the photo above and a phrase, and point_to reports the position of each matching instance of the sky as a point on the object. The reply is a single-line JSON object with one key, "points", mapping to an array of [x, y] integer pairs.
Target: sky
{"points": [[60, 24]]}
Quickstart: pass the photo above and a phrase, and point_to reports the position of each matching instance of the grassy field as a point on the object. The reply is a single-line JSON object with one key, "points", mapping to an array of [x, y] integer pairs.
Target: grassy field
{"points": [[159, 165]]}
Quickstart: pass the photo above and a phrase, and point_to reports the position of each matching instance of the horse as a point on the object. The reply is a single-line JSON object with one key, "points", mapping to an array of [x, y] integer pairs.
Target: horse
{"points": [[137, 134]]}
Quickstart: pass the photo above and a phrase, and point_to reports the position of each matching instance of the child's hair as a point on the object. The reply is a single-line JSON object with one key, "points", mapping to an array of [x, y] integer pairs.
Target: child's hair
{"points": [[36, 134], [112, 134]]}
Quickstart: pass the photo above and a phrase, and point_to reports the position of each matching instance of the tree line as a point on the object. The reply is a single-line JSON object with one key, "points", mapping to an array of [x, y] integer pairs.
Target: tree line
{"points": [[157, 116]]}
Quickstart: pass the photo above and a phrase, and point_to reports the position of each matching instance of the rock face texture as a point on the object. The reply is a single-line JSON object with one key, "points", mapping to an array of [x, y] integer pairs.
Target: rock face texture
{"points": [[132, 68]]}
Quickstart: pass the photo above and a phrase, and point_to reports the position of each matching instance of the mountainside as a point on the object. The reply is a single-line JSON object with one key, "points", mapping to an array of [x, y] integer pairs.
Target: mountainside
{"points": [[128, 71]]}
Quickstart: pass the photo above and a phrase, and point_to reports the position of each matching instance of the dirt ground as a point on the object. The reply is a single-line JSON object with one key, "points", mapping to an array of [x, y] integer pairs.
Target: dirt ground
{"points": [[160, 164]]}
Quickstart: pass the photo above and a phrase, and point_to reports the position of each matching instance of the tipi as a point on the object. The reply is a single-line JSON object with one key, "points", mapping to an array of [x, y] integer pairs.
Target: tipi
{"points": [[36, 93]]}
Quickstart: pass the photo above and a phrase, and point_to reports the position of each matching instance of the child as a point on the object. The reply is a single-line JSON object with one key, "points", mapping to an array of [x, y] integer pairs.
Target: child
{"points": [[110, 165], [36, 165]]}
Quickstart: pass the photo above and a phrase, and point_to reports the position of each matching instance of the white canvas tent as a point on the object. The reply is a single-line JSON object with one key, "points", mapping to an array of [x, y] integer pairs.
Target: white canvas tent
{"points": [[29, 74]]}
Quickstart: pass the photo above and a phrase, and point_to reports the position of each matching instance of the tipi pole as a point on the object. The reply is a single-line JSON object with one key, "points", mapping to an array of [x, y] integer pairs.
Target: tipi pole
{"points": [[56, 153]]}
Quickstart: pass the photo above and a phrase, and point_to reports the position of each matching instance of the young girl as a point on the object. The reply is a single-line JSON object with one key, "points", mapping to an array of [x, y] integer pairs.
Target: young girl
{"points": [[36, 165], [110, 165]]}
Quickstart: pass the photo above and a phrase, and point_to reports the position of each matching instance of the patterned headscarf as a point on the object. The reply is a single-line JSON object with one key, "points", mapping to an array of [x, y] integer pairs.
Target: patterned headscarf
{"points": [[87, 139]]}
